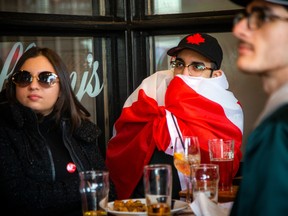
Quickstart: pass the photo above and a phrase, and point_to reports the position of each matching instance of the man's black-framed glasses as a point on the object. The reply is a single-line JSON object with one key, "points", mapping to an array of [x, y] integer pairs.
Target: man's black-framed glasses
{"points": [[257, 17], [194, 66], [24, 78]]}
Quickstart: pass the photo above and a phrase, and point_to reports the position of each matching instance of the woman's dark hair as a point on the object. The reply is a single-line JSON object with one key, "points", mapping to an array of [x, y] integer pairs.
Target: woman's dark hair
{"points": [[67, 104]]}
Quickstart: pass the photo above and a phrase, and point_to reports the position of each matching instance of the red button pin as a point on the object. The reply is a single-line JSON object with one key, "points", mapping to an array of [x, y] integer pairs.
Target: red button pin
{"points": [[71, 167]]}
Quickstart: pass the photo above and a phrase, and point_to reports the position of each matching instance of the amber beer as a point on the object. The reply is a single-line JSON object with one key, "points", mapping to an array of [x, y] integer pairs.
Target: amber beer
{"points": [[158, 188], [95, 213], [158, 209], [94, 190], [222, 153], [226, 177]]}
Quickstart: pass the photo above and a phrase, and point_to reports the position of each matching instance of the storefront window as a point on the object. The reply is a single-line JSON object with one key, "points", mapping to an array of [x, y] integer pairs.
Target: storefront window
{"points": [[70, 7], [156, 7]]}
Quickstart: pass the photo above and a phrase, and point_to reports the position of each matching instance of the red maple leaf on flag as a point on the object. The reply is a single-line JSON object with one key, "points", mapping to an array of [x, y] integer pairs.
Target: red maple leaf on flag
{"points": [[195, 39]]}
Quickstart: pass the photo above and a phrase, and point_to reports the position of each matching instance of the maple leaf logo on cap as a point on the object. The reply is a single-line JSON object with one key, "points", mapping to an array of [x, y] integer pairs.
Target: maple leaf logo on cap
{"points": [[195, 39]]}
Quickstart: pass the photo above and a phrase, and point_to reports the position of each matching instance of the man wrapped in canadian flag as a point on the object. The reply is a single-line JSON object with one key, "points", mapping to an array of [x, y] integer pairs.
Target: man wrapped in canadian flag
{"points": [[195, 93]]}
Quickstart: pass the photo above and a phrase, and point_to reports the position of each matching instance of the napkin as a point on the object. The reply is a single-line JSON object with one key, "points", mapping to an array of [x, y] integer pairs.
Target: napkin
{"points": [[203, 206]]}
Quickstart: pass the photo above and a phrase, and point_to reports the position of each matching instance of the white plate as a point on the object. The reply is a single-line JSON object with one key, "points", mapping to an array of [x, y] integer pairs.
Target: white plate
{"points": [[178, 206]]}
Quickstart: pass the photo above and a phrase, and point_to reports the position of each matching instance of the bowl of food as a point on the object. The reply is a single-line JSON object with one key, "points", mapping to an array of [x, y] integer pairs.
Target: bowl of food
{"points": [[137, 207]]}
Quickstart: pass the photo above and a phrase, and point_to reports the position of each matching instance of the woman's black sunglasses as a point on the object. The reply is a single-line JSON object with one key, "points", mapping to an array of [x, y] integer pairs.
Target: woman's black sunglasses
{"points": [[24, 78]]}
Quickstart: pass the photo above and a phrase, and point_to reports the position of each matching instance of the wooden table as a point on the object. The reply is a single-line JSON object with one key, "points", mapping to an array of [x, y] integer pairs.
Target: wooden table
{"points": [[223, 196]]}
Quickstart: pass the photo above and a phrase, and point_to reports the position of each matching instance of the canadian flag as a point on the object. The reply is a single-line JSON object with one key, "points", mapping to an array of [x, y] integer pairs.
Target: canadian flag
{"points": [[203, 107]]}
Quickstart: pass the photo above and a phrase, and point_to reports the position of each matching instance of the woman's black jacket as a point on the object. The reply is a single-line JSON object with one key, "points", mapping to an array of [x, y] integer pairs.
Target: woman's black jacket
{"points": [[27, 183]]}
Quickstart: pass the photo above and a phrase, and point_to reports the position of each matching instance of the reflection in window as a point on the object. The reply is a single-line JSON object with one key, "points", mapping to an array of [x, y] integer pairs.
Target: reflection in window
{"points": [[155, 7], [70, 7], [161, 46], [164, 6]]}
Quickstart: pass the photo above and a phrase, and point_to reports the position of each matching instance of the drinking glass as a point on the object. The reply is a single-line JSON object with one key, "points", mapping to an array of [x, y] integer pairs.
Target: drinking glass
{"points": [[158, 189], [186, 153], [222, 153], [205, 178], [94, 190]]}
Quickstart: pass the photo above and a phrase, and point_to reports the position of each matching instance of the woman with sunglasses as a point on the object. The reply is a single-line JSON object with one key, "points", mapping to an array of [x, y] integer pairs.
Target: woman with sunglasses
{"points": [[46, 138], [190, 99]]}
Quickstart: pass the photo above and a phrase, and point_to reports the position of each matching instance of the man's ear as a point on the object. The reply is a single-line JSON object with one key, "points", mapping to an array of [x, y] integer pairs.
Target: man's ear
{"points": [[217, 73]]}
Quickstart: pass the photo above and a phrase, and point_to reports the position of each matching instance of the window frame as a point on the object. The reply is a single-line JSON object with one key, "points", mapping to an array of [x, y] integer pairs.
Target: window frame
{"points": [[129, 35]]}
